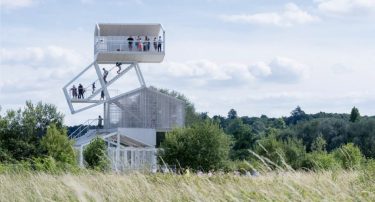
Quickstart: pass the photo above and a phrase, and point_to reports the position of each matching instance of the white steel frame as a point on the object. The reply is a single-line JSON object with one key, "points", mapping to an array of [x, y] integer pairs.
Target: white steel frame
{"points": [[108, 98], [113, 139]]}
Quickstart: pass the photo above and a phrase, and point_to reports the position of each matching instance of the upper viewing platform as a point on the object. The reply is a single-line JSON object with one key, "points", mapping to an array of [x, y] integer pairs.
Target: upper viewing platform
{"points": [[142, 43]]}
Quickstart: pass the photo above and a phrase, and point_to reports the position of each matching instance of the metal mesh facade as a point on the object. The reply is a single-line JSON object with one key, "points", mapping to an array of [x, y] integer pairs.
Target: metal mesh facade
{"points": [[146, 108]]}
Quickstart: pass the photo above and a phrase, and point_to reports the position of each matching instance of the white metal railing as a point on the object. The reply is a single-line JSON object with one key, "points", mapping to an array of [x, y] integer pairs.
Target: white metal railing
{"points": [[131, 158], [85, 127], [122, 44], [88, 93]]}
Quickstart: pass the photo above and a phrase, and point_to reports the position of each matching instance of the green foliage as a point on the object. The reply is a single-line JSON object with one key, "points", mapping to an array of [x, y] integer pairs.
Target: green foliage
{"points": [[202, 146], [18, 167], [270, 148], [354, 115], [45, 164], [362, 134], [58, 146], [321, 160], [4, 156], [279, 123], [333, 131], [289, 152], [95, 155], [232, 114], [368, 169], [242, 166], [294, 152], [297, 116], [319, 144], [349, 155], [243, 137], [21, 130]]}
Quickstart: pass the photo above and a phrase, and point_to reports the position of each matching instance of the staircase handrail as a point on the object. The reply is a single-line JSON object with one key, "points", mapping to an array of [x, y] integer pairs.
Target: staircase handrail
{"points": [[82, 128]]}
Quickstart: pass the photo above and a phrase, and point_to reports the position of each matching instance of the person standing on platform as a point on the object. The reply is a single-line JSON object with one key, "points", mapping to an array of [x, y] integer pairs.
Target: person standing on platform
{"points": [[155, 44], [130, 43], [74, 92], [100, 122], [136, 42], [148, 44], [80, 92], [159, 44], [140, 44], [105, 74], [145, 44]]}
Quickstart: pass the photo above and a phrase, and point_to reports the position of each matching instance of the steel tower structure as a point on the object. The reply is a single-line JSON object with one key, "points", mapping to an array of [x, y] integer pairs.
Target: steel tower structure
{"points": [[131, 119]]}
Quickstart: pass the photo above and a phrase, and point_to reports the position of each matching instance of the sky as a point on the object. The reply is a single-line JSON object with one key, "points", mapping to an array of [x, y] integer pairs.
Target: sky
{"points": [[256, 56]]}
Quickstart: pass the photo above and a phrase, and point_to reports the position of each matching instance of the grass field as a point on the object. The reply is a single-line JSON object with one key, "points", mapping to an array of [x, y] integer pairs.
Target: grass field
{"points": [[92, 186]]}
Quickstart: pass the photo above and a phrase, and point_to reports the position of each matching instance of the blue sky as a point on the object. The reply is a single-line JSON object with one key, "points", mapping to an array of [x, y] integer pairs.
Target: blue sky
{"points": [[256, 56]]}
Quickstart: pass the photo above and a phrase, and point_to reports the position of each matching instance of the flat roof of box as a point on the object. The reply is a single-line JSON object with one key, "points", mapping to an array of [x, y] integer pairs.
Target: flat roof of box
{"points": [[128, 29]]}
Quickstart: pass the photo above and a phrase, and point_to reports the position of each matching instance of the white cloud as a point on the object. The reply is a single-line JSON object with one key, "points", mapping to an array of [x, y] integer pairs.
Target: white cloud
{"points": [[39, 57], [13, 4], [200, 73], [31, 69], [280, 69], [345, 6], [290, 16], [260, 69], [207, 73]]}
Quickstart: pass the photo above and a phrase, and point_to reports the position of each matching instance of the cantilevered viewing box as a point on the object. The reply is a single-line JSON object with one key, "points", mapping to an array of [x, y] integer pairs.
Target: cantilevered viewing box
{"points": [[141, 43]]}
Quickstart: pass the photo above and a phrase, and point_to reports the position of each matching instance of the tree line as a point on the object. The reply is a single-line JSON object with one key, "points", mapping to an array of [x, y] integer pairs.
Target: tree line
{"points": [[35, 135], [302, 141]]}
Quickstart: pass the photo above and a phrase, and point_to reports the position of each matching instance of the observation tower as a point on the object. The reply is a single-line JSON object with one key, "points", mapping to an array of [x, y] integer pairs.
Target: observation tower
{"points": [[132, 120]]}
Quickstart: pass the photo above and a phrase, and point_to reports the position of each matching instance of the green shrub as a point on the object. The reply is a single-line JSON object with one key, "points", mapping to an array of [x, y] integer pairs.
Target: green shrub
{"points": [[287, 153], [294, 152], [95, 155], [19, 167], [202, 146], [321, 160], [272, 149], [58, 146], [45, 164], [349, 156], [368, 169]]}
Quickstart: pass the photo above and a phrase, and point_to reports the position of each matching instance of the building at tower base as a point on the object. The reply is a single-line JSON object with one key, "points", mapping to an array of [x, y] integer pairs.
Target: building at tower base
{"points": [[134, 119]]}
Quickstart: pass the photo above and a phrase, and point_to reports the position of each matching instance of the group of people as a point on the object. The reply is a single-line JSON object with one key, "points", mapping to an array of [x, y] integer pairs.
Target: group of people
{"points": [[78, 93], [144, 45]]}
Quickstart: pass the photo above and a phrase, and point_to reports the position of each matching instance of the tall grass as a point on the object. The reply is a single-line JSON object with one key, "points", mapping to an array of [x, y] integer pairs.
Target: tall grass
{"points": [[272, 186]]}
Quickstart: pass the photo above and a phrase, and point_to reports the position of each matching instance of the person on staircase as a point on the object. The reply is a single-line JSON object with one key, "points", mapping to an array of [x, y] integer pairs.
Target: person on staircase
{"points": [[105, 74], [102, 95], [118, 64], [93, 87]]}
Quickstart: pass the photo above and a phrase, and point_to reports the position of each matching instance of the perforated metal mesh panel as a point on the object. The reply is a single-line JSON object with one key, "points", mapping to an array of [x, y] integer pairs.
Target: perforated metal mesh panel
{"points": [[146, 108]]}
